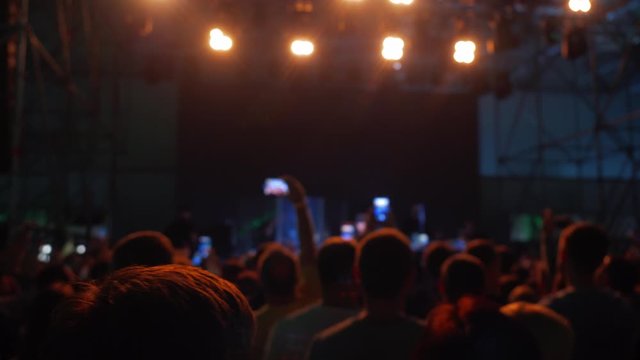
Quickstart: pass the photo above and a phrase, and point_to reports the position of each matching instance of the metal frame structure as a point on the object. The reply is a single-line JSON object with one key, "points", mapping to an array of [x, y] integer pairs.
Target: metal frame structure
{"points": [[66, 133], [588, 143]]}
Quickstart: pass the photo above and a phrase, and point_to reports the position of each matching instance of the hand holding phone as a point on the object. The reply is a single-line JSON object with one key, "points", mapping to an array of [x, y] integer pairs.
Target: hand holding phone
{"points": [[276, 187]]}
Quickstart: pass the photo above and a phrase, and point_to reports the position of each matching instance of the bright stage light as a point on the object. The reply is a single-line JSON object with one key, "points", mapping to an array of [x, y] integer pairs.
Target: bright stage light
{"points": [[392, 48], [302, 47], [219, 41], [401, 2], [580, 5], [465, 52]]}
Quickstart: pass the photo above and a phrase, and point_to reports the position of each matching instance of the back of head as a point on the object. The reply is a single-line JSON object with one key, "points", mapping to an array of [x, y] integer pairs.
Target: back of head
{"points": [[485, 251], [231, 268], [551, 331], [335, 262], [279, 273], [583, 247], [473, 328], [385, 263], [162, 312], [435, 255], [142, 248], [463, 274]]}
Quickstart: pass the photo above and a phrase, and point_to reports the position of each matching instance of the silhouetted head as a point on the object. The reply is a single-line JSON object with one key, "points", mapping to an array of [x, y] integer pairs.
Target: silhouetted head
{"points": [[473, 329], [485, 251], [434, 255], [142, 248], [231, 269], [385, 264], [336, 259], [463, 274], [582, 249], [161, 312], [279, 273]]}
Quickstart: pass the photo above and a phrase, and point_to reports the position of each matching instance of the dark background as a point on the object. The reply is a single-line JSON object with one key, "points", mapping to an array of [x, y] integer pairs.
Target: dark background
{"points": [[345, 144]]}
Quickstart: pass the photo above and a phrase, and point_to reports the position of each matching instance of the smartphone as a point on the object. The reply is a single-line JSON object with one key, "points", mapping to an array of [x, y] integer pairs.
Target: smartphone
{"points": [[276, 187], [381, 208], [348, 231], [44, 253], [202, 251]]}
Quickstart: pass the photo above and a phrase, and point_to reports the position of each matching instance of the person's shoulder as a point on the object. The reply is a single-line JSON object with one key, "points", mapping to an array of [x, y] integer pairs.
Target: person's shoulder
{"points": [[331, 341], [557, 298], [338, 330], [301, 313]]}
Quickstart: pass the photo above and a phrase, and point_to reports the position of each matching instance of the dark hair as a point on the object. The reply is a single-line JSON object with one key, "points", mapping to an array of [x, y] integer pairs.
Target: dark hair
{"points": [[484, 250], [143, 248], [585, 246], [475, 329], [335, 261], [162, 312], [385, 263], [463, 274], [435, 255], [278, 269]]}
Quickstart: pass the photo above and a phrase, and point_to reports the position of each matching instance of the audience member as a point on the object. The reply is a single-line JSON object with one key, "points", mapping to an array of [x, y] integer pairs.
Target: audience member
{"points": [[280, 277], [382, 331], [463, 274], [143, 248], [249, 284], [425, 295], [161, 312], [552, 332], [485, 251], [291, 337], [602, 322], [474, 329]]}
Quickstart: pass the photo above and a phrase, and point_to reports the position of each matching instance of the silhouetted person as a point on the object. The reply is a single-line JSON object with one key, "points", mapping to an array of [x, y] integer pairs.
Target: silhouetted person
{"points": [[552, 332], [473, 329], [462, 274], [425, 295], [381, 331], [161, 312], [143, 248], [280, 276], [602, 322], [248, 283], [291, 337], [485, 251]]}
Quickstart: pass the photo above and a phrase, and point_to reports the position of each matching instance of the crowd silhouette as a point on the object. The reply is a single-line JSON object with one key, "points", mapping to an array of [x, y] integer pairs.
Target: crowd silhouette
{"points": [[368, 298]]}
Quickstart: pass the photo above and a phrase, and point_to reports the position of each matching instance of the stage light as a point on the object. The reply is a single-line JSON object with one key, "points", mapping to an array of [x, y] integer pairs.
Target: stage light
{"points": [[301, 47], [392, 48], [465, 52], [401, 2], [580, 5], [219, 41]]}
